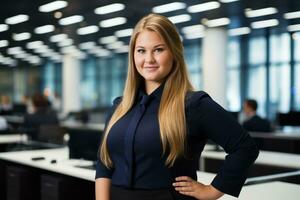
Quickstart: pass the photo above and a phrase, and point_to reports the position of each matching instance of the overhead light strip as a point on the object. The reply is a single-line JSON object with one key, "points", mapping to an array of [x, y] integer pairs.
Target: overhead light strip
{"points": [[17, 19], [115, 7], [112, 22], [169, 7], [55, 5], [292, 15], [70, 20], [239, 31], [180, 18], [44, 29], [260, 12], [87, 30], [264, 23], [3, 27], [203, 7]]}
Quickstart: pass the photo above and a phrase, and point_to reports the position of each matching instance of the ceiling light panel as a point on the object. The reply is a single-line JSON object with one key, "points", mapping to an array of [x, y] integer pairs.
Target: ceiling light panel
{"points": [[3, 43], [264, 23], [112, 22], [58, 37], [87, 45], [70, 20], [217, 22], [21, 36], [34, 44], [55, 5], [124, 33], [17, 19], [3, 27], [239, 31], [169, 7], [260, 12], [294, 28], [87, 30], [44, 29], [109, 8], [227, 1], [108, 39], [204, 7], [180, 18], [292, 15], [193, 29]]}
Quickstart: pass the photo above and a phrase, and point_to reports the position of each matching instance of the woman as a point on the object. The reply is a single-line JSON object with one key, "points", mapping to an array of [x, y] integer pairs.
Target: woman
{"points": [[156, 132]]}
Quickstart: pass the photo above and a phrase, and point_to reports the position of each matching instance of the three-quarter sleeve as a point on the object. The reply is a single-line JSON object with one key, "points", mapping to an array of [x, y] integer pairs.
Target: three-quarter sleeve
{"points": [[219, 126], [101, 170]]}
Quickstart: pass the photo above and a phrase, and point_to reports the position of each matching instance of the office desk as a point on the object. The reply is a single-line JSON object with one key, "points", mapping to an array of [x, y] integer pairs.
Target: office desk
{"points": [[64, 166], [279, 141]]}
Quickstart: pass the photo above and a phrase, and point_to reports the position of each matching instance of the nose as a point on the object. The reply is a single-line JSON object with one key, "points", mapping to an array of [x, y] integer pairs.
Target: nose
{"points": [[149, 58]]}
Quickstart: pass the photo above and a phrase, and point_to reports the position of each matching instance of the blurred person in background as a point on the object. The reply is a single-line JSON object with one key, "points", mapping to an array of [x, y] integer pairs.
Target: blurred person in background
{"points": [[42, 114], [252, 121]]}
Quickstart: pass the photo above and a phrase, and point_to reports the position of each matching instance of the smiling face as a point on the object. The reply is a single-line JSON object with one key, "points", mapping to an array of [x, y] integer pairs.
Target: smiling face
{"points": [[153, 59]]}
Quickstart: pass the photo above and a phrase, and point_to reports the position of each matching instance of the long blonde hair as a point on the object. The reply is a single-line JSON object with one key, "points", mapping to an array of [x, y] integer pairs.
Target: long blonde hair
{"points": [[171, 115]]}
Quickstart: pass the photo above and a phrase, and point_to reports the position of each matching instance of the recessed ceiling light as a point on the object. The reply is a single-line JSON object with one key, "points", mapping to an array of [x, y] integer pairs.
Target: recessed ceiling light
{"points": [[264, 23], [21, 36], [3, 27], [71, 20], [169, 7], [55, 5], [124, 32], [58, 15], [3, 43], [180, 18], [260, 12], [87, 30], [109, 8], [113, 22], [292, 15], [217, 22], [44, 29], [17, 19], [239, 31], [203, 7]]}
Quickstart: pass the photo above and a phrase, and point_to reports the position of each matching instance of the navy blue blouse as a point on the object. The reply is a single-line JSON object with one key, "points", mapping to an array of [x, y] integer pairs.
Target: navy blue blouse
{"points": [[136, 151]]}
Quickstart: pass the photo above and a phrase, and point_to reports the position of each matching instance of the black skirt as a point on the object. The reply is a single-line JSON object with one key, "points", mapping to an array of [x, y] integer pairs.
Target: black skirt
{"points": [[119, 193]]}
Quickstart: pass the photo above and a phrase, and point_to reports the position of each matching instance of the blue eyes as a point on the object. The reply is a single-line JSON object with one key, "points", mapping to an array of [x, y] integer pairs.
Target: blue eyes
{"points": [[158, 50]]}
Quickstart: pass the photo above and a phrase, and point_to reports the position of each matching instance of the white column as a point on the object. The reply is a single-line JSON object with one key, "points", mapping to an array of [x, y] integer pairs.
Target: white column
{"points": [[214, 64], [71, 84]]}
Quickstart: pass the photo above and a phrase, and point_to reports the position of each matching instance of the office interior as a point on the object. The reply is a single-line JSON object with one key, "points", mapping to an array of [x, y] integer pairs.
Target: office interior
{"points": [[74, 55]]}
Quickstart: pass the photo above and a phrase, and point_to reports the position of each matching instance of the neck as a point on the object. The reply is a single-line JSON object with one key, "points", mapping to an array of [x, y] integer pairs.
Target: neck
{"points": [[151, 86]]}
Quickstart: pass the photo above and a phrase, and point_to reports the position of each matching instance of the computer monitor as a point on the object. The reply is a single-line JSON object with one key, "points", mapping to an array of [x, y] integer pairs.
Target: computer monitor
{"points": [[288, 119], [84, 143]]}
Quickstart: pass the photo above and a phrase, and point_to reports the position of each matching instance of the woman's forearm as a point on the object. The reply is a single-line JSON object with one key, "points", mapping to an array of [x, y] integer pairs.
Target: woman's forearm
{"points": [[102, 188]]}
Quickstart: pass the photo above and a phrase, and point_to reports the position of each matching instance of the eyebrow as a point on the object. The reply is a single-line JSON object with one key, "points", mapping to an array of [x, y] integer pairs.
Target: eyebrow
{"points": [[153, 47]]}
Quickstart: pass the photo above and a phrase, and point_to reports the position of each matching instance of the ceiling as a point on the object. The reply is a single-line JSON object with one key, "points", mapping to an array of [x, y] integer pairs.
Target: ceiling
{"points": [[133, 11]]}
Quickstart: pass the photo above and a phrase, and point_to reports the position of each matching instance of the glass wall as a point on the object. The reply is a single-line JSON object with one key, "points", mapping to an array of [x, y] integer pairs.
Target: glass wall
{"points": [[233, 75], [257, 73]]}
